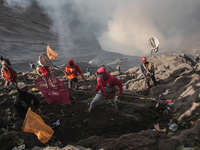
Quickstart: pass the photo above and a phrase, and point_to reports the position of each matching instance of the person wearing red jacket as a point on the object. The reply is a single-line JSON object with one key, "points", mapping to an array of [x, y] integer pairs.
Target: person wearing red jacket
{"points": [[71, 71], [106, 88]]}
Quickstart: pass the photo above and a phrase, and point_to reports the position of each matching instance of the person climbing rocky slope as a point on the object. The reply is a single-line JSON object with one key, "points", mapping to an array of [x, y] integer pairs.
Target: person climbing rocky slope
{"points": [[130, 127]]}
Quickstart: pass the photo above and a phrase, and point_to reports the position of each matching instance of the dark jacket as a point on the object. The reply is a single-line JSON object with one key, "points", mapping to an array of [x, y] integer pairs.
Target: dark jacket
{"points": [[144, 69], [23, 101]]}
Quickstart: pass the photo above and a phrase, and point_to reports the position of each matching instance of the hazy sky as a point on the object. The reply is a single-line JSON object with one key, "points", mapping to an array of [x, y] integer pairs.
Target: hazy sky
{"points": [[124, 26]]}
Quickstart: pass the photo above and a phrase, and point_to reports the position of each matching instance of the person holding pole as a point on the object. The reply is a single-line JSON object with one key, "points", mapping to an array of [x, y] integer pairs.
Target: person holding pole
{"points": [[106, 88], [147, 70]]}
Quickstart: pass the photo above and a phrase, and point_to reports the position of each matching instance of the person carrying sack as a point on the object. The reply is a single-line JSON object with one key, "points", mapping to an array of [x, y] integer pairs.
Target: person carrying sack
{"points": [[8, 74], [148, 72], [106, 88], [71, 71]]}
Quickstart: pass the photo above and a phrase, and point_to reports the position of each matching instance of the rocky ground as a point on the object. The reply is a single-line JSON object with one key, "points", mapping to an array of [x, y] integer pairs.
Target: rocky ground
{"points": [[130, 127]]}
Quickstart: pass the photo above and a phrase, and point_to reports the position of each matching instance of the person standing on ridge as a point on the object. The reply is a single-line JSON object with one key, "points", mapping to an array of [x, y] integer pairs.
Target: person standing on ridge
{"points": [[148, 74], [196, 62], [106, 88], [32, 65], [197, 59], [118, 69], [2, 59], [88, 73], [71, 71]]}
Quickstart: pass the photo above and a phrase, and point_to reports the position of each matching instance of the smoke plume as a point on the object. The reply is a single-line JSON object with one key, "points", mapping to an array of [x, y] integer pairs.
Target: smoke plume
{"points": [[123, 26]]}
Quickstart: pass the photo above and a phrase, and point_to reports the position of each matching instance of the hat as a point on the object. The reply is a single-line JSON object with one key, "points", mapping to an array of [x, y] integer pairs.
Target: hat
{"points": [[143, 58], [21, 85]]}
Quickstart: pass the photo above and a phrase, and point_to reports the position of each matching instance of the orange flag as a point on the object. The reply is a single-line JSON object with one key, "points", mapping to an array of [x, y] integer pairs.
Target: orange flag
{"points": [[33, 123], [51, 54]]}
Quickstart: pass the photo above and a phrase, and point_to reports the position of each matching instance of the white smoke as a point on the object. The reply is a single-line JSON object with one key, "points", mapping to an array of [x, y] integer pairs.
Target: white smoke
{"points": [[123, 26], [19, 5]]}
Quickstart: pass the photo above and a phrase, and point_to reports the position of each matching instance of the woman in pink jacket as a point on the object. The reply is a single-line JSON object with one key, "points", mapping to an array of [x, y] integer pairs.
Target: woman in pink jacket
{"points": [[106, 88]]}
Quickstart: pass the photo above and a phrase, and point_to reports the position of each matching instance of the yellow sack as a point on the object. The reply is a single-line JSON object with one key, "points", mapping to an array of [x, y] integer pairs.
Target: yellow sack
{"points": [[51, 54], [33, 123], [149, 66]]}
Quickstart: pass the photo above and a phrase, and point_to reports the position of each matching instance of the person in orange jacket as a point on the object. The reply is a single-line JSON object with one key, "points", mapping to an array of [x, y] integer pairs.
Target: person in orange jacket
{"points": [[71, 71], [8, 74]]}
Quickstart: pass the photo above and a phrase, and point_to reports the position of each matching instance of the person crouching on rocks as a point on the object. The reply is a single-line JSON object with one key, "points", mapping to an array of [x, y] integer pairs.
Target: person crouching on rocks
{"points": [[8, 74], [148, 74], [106, 88], [24, 100]]}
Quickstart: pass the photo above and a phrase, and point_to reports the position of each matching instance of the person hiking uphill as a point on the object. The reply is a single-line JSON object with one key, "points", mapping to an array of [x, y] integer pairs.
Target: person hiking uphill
{"points": [[148, 74], [106, 88], [24, 100], [71, 71], [8, 74]]}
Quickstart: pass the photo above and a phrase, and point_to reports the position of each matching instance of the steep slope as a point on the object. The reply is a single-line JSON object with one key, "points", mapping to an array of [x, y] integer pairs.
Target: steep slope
{"points": [[131, 127], [25, 34]]}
